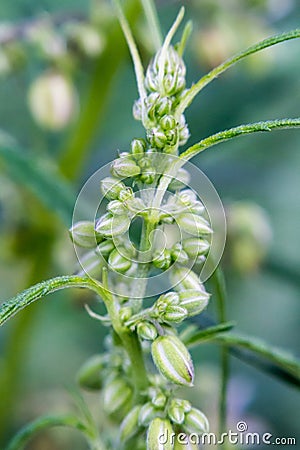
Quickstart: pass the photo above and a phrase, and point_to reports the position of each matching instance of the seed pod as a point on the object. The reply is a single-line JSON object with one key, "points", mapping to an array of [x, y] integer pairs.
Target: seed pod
{"points": [[130, 426], [119, 262], [138, 147], [89, 375], [147, 331], [193, 224], [117, 393], [176, 412], [116, 207], [124, 168], [173, 360], [147, 413], [174, 314], [159, 435], [105, 247], [196, 422], [83, 234], [111, 187], [195, 247], [162, 260], [194, 301], [109, 225]]}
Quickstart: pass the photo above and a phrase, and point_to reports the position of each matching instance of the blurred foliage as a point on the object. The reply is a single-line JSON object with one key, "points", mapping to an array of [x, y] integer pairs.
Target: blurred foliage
{"points": [[42, 167]]}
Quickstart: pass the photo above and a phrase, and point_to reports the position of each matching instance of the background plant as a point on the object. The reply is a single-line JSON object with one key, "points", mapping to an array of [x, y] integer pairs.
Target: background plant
{"points": [[43, 239]]}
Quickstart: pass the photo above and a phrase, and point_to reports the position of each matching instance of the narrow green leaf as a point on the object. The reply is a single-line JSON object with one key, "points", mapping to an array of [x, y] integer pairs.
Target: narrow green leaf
{"points": [[26, 433], [25, 298], [40, 178], [206, 79], [226, 135], [153, 22], [208, 333]]}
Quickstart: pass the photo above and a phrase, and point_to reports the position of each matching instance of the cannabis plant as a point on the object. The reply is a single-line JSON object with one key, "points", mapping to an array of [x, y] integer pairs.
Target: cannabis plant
{"points": [[153, 287]]}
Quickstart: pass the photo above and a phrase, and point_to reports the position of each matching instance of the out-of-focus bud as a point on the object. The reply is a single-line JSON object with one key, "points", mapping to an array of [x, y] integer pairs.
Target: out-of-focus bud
{"points": [[83, 234], [118, 261], [196, 422], [111, 187], [147, 413], [184, 442], [174, 314], [116, 207], [89, 375], [86, 38], [173, 360], [159, 435], [124, 168], [195, 247], [130, 425], [193, 224], [138, 147], [117, 393], [159, 400], [146, 331], [194, 301], [52, 101], [109, 225]]}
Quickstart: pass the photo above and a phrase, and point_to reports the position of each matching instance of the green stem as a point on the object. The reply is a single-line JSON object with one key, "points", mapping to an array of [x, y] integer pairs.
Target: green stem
{"points": [[153, 22], [220, 292], [206, 79]]}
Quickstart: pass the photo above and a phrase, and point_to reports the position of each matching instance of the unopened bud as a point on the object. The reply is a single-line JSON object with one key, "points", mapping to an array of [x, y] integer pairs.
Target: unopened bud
{"points": [[178, 254], [146, 331], [125, 313], [138, 147], [89, 376], [159, 435], [111, 187], [173, 360], [194, 301], [125, 194], [83, 234], [168, 122], [196, 422], [174, 314], [147, 413], [105, 247], [130, 425], [193, 224], [159, 400], [176, 412], [183, 441], [116, 207], [118, 261], [157, 138], [184, 278], [124, 168], [195, 247], [116, 394], [162, 260], [109, 225]]}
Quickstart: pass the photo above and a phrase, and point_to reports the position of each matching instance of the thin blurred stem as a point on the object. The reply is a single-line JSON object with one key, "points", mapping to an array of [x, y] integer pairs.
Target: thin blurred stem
{"points": [[153, 22], [220, 293]]}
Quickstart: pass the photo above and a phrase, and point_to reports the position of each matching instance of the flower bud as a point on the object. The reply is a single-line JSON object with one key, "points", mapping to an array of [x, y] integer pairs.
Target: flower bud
{"points": [[116, 207], [173, 360], [147, 413], [119, 262], [111, 187], [125, 313], [130, 425], [162, 260], [146, 331], [165, 300], [117, 393], [193, 224], [83, 234], [109, 225], [138, 147], [159, 435], [174, 314], [89, 375], [159, 400], [176, 412], [157, 137], [194, 301], [178, 254], [163, 106], [125, 194], [184, 279], [196, 422], [167, 122], [148, 176], [105, 247], [124, 168], [195, 247]]}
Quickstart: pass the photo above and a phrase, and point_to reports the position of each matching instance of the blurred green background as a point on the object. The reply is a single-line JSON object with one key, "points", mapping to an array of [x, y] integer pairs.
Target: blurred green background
{"points": [[53, 154]]}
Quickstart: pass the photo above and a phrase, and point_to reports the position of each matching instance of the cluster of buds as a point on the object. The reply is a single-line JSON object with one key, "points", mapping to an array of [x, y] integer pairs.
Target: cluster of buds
{"points": [[129, 192]]}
